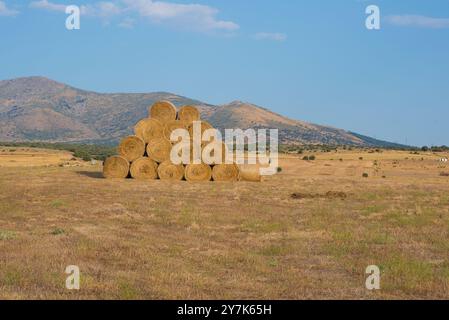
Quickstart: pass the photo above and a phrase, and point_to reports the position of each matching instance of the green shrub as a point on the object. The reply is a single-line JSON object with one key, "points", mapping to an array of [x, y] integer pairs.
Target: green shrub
{"points": [[7, 235], [83, 154], [57, 231]]}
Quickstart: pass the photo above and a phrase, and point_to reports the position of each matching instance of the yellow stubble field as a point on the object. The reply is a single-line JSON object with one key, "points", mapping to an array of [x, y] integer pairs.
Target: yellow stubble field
{"points": [[308, 232]]}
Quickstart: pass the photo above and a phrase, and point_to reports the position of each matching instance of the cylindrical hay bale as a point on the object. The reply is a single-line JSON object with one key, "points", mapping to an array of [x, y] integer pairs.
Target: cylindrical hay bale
{"points": [[171, 126], [163, 111], [250, 173], [116, 167], [185, 152], [210, 149], [144, 169], [225, 173], [189, 114], [198, 173], [149, 129], [204, 126], [159, 150], [170, 172], [132, 148]]}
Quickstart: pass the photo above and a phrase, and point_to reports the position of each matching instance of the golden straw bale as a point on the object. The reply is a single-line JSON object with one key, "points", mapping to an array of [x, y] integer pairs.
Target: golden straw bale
{"points": [[132, 148], [159, 150], [210, 149], [250, 173], [144, 169], [184, 146], [225, 173], [169, 171], [198, 173], [163, 111], [149, 129], [189, 114], [173, 125], [204, 126], [115, 167]]}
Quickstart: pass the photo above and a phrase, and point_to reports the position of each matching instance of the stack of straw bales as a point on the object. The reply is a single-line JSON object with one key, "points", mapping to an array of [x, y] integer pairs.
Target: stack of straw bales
{"points": [[146, 154]]}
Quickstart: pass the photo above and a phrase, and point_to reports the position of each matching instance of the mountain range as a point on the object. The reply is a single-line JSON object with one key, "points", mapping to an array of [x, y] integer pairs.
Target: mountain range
{"points": [[40, 109]]}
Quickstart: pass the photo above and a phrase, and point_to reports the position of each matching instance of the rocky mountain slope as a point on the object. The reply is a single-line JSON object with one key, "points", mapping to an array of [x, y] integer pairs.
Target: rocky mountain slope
{"points": [[37, 108]]}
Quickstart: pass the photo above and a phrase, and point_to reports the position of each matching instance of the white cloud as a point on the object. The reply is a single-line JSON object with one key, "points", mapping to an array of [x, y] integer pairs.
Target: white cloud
{"points": [[418, 21], [102, 9], [194, 17], [270, 36], [5, 11], [99, 9], [191, 16], [127, 23], [46, 5]]}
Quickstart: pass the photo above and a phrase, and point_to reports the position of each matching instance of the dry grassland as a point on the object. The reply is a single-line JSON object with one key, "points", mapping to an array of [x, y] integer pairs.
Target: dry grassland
{"points": [[308, 232], [30, 157]]}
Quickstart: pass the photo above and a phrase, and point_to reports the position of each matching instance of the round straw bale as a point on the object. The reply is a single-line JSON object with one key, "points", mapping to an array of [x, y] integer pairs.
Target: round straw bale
{"points": [[159, 150], [225, 173], [250, 173], [189, 114], [180, 148], [209, 150], [204, 126], [173, 125], [132, 148], [163, 111], [144, 169], [169, 171], [198, 172], [115, 167], [189, 147], [149, 129]]}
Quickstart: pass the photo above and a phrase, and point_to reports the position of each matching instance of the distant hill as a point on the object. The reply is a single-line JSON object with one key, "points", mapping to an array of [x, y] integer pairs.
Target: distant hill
{"points": [[40, 109]]}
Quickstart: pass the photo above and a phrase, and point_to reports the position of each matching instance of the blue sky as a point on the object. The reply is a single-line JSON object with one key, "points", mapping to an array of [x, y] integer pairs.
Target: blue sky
{"points": [[308, 60]]}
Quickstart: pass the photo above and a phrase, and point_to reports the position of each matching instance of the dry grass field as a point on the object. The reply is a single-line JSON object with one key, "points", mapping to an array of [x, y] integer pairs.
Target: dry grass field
{"points": [[29, 157], [308, 232]]}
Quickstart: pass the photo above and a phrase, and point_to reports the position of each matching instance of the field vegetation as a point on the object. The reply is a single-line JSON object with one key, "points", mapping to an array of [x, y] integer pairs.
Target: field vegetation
{"points": [[308, 232]]}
